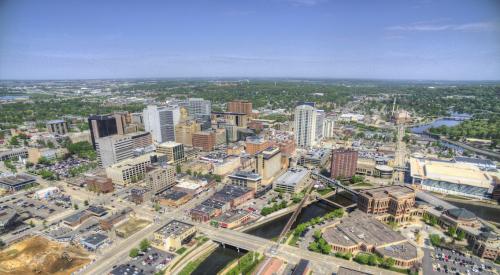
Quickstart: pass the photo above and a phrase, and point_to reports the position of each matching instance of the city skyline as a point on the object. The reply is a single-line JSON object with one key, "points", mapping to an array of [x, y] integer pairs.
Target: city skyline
{"points": [[415, 40]]}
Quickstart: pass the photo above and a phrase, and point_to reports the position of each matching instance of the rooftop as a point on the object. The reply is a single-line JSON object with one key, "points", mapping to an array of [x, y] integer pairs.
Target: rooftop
{"points": [[359, 228], [95, 239], [388, 191], [231, 216], [174, 228], [458, 173], [292, 176], [246, 175], [405, 250], [174, 195], [16, 180], [460, 214], [55, 121]]}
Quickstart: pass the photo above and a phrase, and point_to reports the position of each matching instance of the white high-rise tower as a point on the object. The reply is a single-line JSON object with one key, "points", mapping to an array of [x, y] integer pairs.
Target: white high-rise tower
{"points": [[305, 126], [161, 122]]}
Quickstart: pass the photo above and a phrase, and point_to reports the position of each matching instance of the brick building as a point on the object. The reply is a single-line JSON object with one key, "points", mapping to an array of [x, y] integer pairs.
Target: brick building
{"points": [[204, 140], [344, 162]]}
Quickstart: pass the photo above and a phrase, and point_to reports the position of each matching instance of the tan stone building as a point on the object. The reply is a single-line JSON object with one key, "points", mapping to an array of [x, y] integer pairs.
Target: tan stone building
{"points": [[268, 164], [160, 178], [391, 203], [184, 132]]}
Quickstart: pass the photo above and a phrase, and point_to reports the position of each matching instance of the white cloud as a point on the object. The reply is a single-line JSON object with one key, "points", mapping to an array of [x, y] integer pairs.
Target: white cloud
{"points": [[428, 27]]}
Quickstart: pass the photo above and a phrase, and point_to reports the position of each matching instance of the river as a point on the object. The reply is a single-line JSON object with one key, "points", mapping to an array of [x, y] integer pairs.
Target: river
{"points": [[221, 257], [217, 260], [436, 123]]}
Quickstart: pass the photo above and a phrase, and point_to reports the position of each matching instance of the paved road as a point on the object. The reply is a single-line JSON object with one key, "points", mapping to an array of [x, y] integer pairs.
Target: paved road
{"points": [[119, 252]]}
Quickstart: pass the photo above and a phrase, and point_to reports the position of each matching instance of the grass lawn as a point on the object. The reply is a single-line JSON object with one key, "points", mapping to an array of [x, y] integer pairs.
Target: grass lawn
{"points": [[181, 250], [325, 191]]}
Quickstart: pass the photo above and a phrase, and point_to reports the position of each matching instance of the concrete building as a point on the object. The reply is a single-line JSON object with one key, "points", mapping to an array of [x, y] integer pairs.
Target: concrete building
{"points": [[268, 164], [240, 106], [173, 150], [102, 126], [344, 163], [256, 144], [462, 179], [239, 119], [316, 157], [173, 235], [305, 126], [13, 154], [161, 122], [204, 140], [320, 120], [247, 179], [17, 182], [220, 136], [365, 166], [398, 201], [159, 177], [329, 127], [197, 106], [360, 233], [58, 127], [94, 241], [113, 149], [132, 170], [292, 181], [184, 132]]}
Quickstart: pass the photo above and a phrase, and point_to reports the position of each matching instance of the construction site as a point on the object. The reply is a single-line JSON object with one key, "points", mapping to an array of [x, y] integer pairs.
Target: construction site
{"points": [[37, 255]]}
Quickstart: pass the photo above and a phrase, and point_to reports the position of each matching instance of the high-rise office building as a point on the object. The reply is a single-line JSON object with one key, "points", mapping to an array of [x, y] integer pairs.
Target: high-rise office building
{"points": [[159, 178], [205, 140], [328, 127], [113, 149], [161, 122], [184, 132], [320, 118], [240, 106], [305, 126], [197, 106], [344, 163], [173, 150], [268, 163], [102, 126]]}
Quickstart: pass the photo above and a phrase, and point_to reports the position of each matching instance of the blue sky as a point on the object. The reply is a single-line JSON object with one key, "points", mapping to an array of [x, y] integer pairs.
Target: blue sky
{"points": [[400, 39]]}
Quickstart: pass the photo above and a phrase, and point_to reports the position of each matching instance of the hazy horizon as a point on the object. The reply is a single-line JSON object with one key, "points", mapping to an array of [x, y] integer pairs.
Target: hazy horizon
{"points": [[418, 40]]}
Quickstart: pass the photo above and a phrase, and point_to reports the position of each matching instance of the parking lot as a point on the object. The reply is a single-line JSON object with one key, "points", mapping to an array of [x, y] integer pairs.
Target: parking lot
{"points": [[151, 261], [443, 261], [39, 209]]}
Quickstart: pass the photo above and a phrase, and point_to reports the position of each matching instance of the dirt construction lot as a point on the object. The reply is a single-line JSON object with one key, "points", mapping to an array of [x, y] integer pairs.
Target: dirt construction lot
{"points": [[37, 255]]}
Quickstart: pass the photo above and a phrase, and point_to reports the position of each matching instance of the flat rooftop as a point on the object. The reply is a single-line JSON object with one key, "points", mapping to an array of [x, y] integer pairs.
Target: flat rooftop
{"points": [[292, 176], [388, 191], [231, 216], [16, 180], [174, 228], [95, 239], [359, 228], [246, 175], [405, 250], [458, 173]]}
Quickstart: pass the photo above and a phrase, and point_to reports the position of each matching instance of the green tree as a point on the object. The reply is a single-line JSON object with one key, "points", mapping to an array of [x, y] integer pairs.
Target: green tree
{"points": [[178, 169], [75, 206], [435, 239], [134, 252], [144, 245], [86, 202], [452, 231], [461, 235]]}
